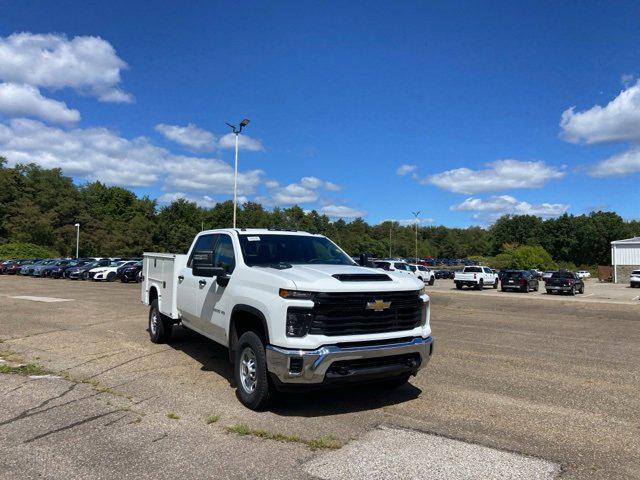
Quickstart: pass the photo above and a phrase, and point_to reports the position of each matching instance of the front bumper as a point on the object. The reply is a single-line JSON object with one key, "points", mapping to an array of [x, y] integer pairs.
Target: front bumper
{"points": [[305, 367]]}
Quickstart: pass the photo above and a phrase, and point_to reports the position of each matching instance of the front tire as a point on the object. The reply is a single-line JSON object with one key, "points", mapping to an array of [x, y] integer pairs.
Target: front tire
{"points": [[432, 280], [111, 276], [159, 326], [85, 276], [495, 284], [250, 371]]}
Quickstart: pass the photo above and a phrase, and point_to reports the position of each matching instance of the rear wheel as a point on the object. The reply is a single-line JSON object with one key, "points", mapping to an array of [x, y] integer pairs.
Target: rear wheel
{"points": [[581, 291], [85, 276], [480, 284], [459, 286], [250, 371], [159, 325], [549, 292]]}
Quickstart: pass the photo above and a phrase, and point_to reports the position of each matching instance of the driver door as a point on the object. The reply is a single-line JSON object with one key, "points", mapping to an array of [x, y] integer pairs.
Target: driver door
{"points": [[213, 299]]}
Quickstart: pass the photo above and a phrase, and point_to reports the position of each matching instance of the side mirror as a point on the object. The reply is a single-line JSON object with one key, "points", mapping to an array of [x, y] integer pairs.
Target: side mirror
{"points": [[202, 264]]}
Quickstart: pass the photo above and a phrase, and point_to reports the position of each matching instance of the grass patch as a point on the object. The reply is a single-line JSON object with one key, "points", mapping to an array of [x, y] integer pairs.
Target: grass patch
{"points": [[327, 442], [173, 416], [212, 419], [28, 369]]}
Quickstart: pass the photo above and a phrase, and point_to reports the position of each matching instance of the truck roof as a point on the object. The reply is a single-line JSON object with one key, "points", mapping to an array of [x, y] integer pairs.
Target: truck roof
{"points": [[260, 231]]}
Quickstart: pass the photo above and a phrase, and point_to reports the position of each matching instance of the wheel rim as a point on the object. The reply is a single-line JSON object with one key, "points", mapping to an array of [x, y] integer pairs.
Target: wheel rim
{"points": [[248, 377], [153, 325]]}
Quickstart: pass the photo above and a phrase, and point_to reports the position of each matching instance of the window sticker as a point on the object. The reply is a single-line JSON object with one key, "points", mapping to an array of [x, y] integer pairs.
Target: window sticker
{"points": [[253, 239]]}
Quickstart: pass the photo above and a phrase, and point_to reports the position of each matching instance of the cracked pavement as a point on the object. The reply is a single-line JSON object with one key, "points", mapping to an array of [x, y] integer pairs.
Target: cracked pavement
{"points": [[554, 380]]}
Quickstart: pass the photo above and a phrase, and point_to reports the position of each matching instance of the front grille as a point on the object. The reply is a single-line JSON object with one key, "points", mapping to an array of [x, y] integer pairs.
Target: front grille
{"points": [[347, 314]]}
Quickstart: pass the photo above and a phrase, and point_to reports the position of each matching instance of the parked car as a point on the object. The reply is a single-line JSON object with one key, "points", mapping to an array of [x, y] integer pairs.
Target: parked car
{"points": [[108, 272], [423, 273], [583, 274], [4, 265], [476, 277], [565, 281], [394, 266], [292, 308], [81, 271], [14, 268], [634, 279], [40, 268], [547, 275], [522, 280], [58, 271], [28, 267], [130, 273], [537, 274]]}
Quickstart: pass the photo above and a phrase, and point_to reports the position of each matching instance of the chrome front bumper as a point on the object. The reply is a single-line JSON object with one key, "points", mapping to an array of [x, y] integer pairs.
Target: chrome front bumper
{"points": [[285, 363]]}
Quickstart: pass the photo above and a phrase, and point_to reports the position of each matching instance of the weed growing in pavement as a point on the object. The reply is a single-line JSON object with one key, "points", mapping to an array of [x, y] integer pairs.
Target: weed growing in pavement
{"points": [[28, 369], [212, 419], [173, 416], [327, 442]]}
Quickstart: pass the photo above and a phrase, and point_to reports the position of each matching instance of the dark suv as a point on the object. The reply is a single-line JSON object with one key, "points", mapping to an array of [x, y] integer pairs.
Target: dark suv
{"points": [[565, 281], [521, 280]]}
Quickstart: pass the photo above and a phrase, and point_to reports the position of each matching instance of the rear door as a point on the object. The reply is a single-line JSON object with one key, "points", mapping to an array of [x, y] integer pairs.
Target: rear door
{"points": [[189, 284], [213, 299]]}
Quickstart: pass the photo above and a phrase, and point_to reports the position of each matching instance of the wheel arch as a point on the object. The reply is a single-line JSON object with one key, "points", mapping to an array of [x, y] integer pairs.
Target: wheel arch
{"points": [[246, 318]]}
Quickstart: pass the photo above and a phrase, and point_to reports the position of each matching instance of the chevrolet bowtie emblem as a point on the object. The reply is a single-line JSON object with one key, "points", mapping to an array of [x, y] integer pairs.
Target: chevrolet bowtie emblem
{"points": [[378, 305]]}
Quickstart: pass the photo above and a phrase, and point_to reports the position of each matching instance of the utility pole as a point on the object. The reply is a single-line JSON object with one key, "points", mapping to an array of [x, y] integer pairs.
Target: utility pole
{"points": [[415, 214], [236, 132]]}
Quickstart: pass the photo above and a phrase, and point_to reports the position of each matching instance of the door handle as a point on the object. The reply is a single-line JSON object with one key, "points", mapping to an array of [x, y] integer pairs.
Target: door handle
{"points": [[180, 278], [202, 282]]}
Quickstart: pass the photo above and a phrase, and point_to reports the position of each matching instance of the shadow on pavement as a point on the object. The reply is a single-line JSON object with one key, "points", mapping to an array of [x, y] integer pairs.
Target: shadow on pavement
{"points": [[215, 358]]}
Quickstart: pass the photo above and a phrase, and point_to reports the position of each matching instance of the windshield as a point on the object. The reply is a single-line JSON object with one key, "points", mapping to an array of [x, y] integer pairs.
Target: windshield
{"points": [[562, 275], [273, 249]]}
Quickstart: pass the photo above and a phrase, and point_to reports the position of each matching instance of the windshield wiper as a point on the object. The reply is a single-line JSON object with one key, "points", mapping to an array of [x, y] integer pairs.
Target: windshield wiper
{"points": [[277, 266]]}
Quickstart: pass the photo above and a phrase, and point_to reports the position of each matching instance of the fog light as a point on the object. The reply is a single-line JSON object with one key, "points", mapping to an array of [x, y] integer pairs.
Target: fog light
{"points": [[295, 365], [298, 322]]}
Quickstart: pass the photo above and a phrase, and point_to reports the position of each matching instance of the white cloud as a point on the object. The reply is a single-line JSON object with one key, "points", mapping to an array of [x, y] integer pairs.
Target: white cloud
{"points": [[245, 142], [341, 211], [620, 164], [88, 65], [406, 168], [501, 175], [19, 100], [208, 175], [307, 190], [204, 201], [315, 183], [494, 207], [618, 121], [191, 136], [101, 154], [93, 153]]}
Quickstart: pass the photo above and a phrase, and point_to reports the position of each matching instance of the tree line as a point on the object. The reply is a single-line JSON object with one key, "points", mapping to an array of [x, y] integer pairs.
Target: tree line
{"points": [[40, 206]]}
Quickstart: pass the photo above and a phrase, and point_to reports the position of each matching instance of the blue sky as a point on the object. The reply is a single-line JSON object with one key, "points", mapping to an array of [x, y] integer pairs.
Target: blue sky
{"points": [[459, 109]]}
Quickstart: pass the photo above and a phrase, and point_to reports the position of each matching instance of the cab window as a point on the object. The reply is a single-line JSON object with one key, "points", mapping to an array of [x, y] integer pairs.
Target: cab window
{"points": [[223, 255]]}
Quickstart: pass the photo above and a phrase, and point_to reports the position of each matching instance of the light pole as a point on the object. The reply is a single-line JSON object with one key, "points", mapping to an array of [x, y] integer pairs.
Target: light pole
{"points": [[77, 238], [236, 131], [415, 214]]}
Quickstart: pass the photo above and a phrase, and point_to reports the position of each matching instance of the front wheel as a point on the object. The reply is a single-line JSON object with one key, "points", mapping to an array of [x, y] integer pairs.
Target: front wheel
{"points": [[159, 326], [85, 276], [495, 284], [111, 276], [432, 280], [549, 292], [250, 371]]}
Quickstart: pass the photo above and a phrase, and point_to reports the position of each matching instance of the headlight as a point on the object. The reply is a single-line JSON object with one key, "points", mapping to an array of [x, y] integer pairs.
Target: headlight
{"points": [[298, 321], [295, 294]]}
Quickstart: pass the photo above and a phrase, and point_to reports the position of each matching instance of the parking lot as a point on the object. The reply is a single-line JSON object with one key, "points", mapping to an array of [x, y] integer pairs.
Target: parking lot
{"points": [[520, 386]]}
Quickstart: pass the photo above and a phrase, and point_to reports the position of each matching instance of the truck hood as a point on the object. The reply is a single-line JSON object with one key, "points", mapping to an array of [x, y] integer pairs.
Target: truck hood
{"points": [[320, 278]]}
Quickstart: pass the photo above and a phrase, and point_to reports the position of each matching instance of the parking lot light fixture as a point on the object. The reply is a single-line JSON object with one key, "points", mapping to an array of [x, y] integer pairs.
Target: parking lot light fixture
{"points": [[77, 238], [415, 214], [236, 132]]}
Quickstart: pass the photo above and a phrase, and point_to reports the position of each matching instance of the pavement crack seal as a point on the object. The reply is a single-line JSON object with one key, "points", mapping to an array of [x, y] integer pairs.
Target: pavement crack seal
{"points": [[328, 442]]}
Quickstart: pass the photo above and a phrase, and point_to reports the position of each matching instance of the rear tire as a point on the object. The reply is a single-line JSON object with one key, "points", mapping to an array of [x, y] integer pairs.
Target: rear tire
{"points": [[549, 292], [458, 286], [85, 276], [480, 285], [159, 325], [254, 389]]}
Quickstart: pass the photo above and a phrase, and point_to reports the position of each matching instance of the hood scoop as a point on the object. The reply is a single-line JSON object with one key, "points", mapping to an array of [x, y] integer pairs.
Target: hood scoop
{"points": [[362, 277]]}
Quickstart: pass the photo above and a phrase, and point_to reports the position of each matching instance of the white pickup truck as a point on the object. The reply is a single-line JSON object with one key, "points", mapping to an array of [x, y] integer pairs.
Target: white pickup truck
{"points": [[476, 277], [293, 309]]}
